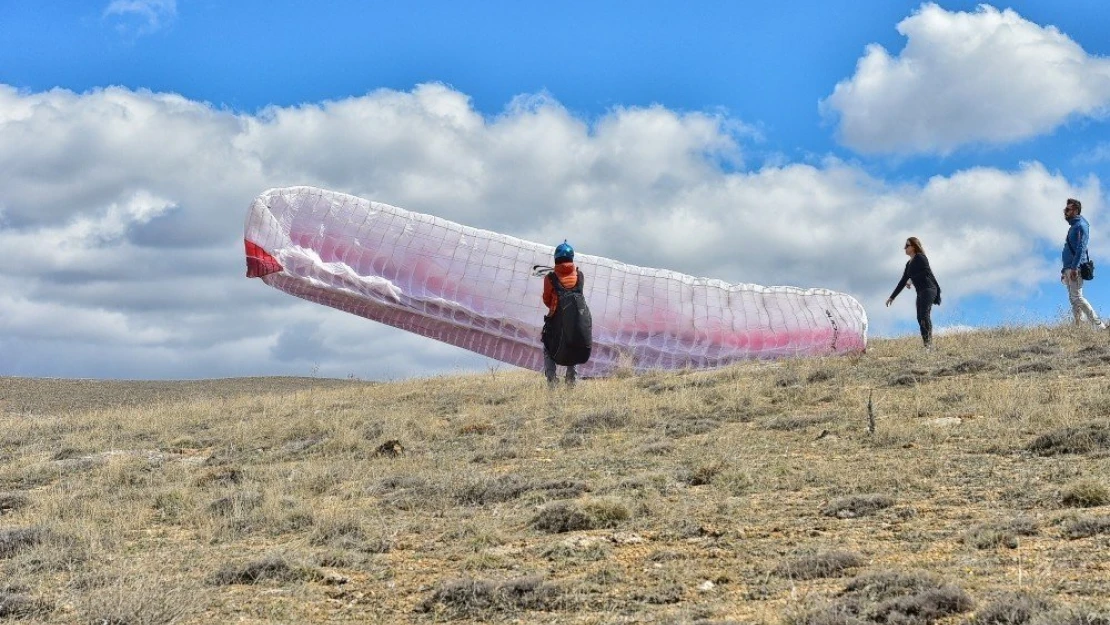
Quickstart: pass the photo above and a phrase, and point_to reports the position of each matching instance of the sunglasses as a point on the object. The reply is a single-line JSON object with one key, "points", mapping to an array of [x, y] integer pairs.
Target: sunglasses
{"points": [[907, 245]]}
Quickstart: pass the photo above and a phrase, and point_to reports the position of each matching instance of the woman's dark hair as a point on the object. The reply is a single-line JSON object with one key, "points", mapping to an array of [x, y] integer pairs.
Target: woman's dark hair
{"points": [[1075, 204], [916, 244]]}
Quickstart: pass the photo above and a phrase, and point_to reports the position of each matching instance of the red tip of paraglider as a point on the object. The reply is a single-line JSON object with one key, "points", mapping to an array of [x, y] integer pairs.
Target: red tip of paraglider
{"points": [[259, 261]]}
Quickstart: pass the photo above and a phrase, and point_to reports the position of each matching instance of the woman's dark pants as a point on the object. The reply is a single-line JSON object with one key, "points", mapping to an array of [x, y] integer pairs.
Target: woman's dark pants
{"points": [[925, 299]]}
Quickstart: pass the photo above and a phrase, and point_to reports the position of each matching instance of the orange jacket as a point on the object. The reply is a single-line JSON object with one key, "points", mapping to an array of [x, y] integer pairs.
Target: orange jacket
{"points": [[568, 277]]}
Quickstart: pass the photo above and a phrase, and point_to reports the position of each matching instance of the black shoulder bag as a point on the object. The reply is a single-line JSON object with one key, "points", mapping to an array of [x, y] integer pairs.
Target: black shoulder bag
{"points": [[1087, 268]]}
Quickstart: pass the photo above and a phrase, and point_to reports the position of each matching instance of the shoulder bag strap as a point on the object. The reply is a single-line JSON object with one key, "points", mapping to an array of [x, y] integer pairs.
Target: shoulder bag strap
{"points": [[558, 286]]}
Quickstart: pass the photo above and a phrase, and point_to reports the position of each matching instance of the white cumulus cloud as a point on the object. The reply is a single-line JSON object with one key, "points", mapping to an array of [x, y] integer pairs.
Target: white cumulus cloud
{"points": [[121, 219], [984, 77], [141, 17]]}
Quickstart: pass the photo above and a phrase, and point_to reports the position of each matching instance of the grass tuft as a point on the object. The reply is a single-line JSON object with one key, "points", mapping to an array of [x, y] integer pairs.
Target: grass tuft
{"points": [[856, 506], [564, 517], [225, 475], [966, 367], [818, 566], [269, 568], [18, 605], [903, 379], [1076, 615], [14, 540], [347, 532], [492, 490], [884, 585], [1081, 439], [1018, 608], [681, 427], [797, 422], [1085, 494], [990, 536], [118, 599], [1086, 527], [702, 474], [238, 503], [823, 615], [596, 421], [925, 607], [12, 501], [664, 593], [475, 599], [903, 597]]}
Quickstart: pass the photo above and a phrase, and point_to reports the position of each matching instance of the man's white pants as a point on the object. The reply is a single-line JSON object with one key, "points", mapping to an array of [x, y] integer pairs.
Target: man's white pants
{"points": [[1079, 304]]}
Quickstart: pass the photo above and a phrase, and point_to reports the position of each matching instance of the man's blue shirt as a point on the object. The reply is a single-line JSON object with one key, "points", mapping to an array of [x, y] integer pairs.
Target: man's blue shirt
{"points": [[1075, 244]]}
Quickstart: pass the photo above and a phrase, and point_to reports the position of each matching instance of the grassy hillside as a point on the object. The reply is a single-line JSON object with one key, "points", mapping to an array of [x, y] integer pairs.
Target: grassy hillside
{"points": [[976, 488]]}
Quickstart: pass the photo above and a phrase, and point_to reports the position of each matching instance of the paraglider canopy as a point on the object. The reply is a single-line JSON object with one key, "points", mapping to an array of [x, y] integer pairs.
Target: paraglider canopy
{"points": [[472, 288]]}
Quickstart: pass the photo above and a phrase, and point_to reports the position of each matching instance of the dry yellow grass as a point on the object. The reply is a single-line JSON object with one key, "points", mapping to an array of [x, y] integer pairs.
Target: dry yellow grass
{"points": [[753, 494]]}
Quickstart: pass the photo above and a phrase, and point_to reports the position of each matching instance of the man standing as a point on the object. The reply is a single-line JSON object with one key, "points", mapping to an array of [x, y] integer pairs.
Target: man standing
{"points": [[1075, 251]]}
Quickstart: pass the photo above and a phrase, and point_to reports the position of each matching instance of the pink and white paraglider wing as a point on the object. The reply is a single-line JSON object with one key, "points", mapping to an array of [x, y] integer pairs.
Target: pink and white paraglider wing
{"points": [[475, 289]]}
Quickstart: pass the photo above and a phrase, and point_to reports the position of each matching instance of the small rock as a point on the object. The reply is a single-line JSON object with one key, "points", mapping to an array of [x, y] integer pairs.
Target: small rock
{"points": [[943, 422], [582, 542], [706, 586], [627, 538]]}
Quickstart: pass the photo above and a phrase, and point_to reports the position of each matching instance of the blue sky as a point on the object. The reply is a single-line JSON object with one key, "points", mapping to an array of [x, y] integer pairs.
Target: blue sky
{"points": [[765, 62], [134, 133]]}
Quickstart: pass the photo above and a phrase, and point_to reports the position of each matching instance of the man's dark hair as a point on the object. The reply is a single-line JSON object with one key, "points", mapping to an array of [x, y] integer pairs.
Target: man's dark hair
{"points": [[1075, 204]]}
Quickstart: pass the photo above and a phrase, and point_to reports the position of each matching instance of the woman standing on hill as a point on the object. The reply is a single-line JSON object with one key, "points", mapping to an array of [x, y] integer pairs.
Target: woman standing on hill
{"points": [[920, 276]]}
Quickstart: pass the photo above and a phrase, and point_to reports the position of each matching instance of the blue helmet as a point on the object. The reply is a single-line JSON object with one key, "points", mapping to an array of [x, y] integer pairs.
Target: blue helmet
{"points": [[564, 251]]}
